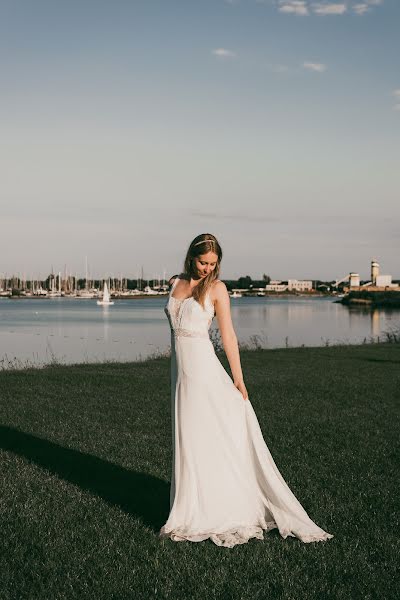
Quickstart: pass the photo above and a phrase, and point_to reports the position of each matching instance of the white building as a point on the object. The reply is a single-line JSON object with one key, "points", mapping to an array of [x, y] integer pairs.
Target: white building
{"points": [[299, 286], [383, 281], [275, 286], [354, 280]]}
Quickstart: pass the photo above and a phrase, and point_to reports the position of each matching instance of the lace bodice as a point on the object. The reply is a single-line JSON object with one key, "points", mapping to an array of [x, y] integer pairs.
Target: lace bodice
{"points": [[187, 318]]}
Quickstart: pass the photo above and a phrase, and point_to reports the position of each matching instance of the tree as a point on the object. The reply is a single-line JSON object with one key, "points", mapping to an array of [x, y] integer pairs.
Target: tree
{"points": [[245, 282]]}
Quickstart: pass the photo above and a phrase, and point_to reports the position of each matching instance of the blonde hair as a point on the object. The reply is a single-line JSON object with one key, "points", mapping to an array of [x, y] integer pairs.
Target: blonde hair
{"points": [[202, 244]]}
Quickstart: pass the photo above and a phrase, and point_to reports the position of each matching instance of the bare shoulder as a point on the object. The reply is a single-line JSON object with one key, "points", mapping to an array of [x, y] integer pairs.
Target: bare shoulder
{"points": [[172, 279], [219, 290], [218, 285]]}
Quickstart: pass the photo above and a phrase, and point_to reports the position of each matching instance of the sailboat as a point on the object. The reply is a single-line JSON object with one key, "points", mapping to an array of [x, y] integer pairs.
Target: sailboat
{"points": [[106, 297]]}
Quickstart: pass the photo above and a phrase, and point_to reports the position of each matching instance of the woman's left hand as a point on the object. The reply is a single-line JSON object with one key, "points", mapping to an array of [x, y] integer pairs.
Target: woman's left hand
{"points": [[242, 389]]}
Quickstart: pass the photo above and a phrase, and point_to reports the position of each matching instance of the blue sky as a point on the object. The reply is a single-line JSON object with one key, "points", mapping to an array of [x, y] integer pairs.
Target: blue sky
{"points": [[129, 127]]}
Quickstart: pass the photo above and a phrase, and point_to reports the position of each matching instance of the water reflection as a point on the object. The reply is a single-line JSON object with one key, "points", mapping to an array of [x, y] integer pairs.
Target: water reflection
{"points": [[76, 330], [375, 322], [106, 322]]}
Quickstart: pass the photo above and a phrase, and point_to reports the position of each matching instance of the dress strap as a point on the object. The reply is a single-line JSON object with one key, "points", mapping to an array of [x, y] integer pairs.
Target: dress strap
{"points": [[173, 285]]}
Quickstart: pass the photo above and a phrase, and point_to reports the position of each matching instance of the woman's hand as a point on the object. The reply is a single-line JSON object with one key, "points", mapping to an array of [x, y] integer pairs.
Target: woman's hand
{"points": [[242, 389]]}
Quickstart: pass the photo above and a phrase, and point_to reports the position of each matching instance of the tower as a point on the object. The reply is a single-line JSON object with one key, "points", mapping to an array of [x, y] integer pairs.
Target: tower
{"points": [[354, 280], [374, 271]]}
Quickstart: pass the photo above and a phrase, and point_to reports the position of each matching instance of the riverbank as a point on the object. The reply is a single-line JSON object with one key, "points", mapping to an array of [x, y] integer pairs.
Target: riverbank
{"points": [[142, 296], [373, 299], [85, 461]]}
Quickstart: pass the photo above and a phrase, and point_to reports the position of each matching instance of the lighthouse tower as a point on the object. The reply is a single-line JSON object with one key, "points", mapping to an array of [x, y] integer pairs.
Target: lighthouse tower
{"points": [[374, 271]]}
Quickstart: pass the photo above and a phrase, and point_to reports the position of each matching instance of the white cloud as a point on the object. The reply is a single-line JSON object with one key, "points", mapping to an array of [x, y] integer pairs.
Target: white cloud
{"points": [[396, 94], [223, 53], [316, 67], [323, 8], [396, 107], [296, 7], [361, 9]]}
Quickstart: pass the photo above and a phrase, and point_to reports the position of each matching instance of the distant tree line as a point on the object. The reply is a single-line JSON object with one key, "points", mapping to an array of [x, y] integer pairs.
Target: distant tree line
{"points": [[246, 282]]}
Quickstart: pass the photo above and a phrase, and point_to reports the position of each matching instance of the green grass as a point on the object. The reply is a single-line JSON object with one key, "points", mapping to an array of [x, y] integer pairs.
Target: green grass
{"points": [[85, 459]]}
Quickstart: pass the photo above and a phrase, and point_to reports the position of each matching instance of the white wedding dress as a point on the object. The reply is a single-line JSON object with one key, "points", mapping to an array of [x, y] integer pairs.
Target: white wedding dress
{"points": [[224, 485]]}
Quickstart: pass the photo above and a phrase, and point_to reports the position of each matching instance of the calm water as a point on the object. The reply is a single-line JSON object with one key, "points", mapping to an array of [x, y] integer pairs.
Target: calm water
{"points": [[76, 330]]}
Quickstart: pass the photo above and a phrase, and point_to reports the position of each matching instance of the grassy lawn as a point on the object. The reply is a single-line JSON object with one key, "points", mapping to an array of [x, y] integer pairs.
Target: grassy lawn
{"points": [[85, 460]]}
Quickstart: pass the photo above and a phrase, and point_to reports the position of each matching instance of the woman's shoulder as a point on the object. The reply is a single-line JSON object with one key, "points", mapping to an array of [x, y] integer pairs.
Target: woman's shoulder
{"points": [[172, 279], [218, 289], [175, 277], [217, 284]]}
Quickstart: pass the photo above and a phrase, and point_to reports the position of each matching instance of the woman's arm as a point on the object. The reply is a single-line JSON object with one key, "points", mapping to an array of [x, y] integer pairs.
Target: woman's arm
{"points": [[229, 340]]}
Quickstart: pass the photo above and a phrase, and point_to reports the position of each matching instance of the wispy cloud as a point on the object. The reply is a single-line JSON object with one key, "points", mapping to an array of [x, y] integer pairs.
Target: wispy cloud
{"points": [[325, 8], [295, 7], [223, 53], [361, 8], [316, 67]]}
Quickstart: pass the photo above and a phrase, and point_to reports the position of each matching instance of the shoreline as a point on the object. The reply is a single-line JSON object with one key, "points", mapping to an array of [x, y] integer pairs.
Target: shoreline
{"points": [[18, 365], [153, 296], [372, 299]]}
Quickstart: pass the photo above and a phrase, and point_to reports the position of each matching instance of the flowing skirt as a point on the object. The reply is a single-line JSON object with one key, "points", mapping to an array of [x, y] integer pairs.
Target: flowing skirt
{"points": [[225, 484]]}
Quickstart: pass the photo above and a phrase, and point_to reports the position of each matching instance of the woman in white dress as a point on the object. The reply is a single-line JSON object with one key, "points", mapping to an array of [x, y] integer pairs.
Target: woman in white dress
{"points": [[224, 485]]}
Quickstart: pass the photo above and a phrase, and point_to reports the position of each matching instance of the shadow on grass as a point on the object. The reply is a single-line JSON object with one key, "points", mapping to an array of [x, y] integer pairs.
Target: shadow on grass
{"points": [[383, 360], [137, 494]]}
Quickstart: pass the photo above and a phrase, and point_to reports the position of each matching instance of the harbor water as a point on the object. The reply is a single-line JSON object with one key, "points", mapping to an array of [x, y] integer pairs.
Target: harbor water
{"points": [[70, 330]]}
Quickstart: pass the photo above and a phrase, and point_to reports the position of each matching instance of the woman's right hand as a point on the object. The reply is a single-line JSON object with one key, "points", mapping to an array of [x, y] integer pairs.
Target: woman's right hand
{"points": [[242, 389]]}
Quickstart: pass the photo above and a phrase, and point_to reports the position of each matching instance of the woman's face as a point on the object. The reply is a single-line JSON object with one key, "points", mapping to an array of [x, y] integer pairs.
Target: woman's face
{"points": [[205, 263]]}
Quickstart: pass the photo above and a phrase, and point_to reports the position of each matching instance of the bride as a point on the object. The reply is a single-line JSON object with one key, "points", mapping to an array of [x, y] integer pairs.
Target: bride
{"points": [[225, 484]]}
